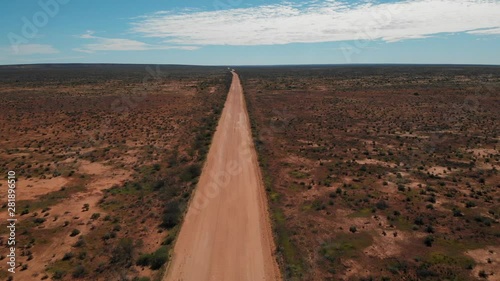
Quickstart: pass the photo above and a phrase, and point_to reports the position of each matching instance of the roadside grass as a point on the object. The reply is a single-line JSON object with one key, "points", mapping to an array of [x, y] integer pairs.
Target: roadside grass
{"points": [[403, 224], [290, 260], [455, 246], [59, 269], [154, 260], [298, 174], [448, 264], [362, 213], [440, 258], [345, 246], [293, 264]]}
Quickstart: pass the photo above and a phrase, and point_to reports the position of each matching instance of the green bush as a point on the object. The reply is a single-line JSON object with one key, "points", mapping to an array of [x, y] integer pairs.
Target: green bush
{"points": [[424, 272], [158, 185], [154, 260], [457, 213], [483, 274], [67, 256], [58, 274], [79, 272], [171, 216], [470, 204], [381, 205], [123, 252], [483, 220], [39, 220], [191, 173], [144, 260], [429, 240], [79, 243], [429, 229]]}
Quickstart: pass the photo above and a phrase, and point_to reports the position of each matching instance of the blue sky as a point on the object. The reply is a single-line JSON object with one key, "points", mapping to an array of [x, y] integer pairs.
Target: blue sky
{"points": [[240, 32]]}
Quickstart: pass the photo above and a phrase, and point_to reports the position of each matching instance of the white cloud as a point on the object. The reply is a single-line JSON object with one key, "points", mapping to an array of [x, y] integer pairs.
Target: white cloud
{"points": [[488, 31], [321, 21], [119, 44], [29, 49]]}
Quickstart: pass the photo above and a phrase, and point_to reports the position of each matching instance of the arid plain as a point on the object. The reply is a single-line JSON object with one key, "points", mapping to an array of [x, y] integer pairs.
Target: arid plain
{"points": [[106, 157], [368, 172], [380, 172]]}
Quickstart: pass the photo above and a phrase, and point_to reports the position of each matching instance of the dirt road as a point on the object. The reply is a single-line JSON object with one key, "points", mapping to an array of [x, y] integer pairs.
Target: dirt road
{"points": [[227, 234]]}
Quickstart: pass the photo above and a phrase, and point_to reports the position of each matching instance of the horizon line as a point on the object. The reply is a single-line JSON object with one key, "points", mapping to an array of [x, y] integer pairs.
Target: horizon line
{"points": [[257, 65]]}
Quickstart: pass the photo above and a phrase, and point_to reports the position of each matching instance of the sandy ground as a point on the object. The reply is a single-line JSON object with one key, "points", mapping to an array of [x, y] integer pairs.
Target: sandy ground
{"points": [[488, 260], [32, 188], [70, 210], [226, 234]]}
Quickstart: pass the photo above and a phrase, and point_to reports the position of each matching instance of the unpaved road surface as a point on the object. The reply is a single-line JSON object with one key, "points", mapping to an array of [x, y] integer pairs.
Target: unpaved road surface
{"points": [[226, 235]]}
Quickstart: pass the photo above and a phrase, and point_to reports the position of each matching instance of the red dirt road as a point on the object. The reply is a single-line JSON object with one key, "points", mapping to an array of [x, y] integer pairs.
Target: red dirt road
{"points": [[226, 235]]}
